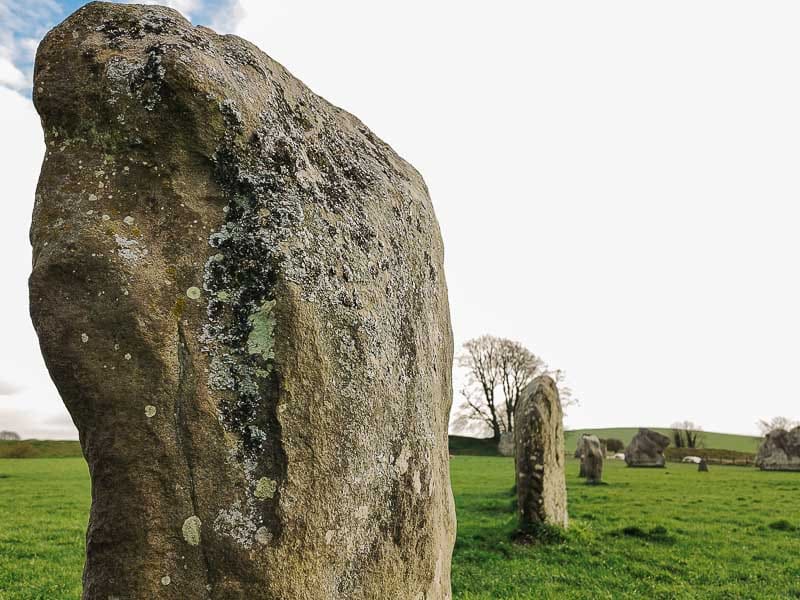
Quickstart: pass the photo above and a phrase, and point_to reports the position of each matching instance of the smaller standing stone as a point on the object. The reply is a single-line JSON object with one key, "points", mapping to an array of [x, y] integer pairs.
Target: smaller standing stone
{"points": [[702, 466], [539, 443], [579, 455], [647, 449], [592, 461], [505, 446]]}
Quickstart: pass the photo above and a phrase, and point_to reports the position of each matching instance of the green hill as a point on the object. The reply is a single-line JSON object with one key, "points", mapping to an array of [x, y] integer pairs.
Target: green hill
{"points": [[719, 441], [40, 449]]}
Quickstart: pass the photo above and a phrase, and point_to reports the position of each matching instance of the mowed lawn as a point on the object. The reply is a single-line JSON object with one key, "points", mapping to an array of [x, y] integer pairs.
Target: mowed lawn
{"points": [[661, 533]]}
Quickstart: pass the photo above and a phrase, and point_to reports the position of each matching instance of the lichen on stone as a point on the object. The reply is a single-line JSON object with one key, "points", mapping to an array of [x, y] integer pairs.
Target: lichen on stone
{"points": [[262, 335], [191, 530], [265, 488]]}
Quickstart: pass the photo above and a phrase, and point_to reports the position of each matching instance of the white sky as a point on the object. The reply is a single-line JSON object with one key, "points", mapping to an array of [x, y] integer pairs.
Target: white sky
{"points": [[617, 185]]}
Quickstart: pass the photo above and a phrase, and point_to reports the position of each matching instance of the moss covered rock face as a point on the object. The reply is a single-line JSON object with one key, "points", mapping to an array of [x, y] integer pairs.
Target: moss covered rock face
{"points": [[540, 461], [239, 292]]}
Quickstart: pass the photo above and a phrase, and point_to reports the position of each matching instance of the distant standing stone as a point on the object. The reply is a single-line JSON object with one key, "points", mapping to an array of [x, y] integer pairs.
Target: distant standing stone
{"points": [[647, 449], [505, 447], [539, 442], [702, 466], [592, 460], [780, 451]]}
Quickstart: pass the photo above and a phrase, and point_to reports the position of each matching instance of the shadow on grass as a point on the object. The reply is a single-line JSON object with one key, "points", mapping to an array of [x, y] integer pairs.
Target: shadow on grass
{"points": [[658, 534]]}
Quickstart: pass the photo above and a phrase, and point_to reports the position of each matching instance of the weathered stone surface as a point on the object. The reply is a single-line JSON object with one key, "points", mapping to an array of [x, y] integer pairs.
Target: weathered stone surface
{"points": [[239, 293], [505, 447], [579, 447], [539, 441], [646, 449], [592, 459], [780, 451]]}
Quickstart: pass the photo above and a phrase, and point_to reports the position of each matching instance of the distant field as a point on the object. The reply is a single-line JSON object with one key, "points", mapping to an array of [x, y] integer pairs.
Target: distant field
{"points": [[721, 441], [649, 533], [39, 449]]}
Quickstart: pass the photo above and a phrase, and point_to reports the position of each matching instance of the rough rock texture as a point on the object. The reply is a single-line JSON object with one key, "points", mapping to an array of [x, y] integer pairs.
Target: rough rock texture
{"points": [[505, 447], [592, 459], [539, 441], [239, 293], [646, 449], [702, 466], [780, 451]]}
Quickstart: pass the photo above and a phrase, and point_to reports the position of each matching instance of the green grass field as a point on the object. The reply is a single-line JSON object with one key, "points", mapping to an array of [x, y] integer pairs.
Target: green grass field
{"points": [[648, 533]]}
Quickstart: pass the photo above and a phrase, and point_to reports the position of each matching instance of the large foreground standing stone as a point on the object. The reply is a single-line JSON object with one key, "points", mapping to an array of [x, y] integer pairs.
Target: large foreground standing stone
{"points": [[646, 449], [239, 293], [539, 441], [780, 451], [592, 459]]}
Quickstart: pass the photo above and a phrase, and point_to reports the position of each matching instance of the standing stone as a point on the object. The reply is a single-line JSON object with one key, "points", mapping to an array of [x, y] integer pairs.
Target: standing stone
{"points": [[579, 455], [780, 451], [239, 293], [647, 449], [702, 466], [592, 461], [505, 446], [579, 446], [539, 442]]}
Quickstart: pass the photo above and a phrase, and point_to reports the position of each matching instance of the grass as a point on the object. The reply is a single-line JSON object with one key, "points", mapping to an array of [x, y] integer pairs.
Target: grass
{"points": [[649, 533], [44, 508]]}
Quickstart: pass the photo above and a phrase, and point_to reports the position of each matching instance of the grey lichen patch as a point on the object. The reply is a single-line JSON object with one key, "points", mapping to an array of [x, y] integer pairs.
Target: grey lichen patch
{"points": [[149, 411], [166, 580], [262, 335], [193, 293], [191, 530], [263, 536], [265, 488], [84, 338], [129, 250], [129, 220]]}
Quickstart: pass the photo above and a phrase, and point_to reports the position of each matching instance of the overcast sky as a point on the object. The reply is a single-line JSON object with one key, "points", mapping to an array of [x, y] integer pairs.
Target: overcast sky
{"points": [[616, 182]]}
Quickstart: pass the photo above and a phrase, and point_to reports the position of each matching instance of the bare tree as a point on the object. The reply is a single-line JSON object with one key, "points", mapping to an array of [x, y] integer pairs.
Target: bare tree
{"points": [[776, 423], [497, 371], [481, 359], [686, 434], [518, 367]]}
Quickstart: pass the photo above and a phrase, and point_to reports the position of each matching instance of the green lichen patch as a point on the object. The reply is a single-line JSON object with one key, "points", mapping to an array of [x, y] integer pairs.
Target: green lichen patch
{"points": [[191, 530], [265, 488], [262, 335]]}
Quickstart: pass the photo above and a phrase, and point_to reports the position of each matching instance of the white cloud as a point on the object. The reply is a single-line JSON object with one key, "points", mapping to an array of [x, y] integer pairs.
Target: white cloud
{"points": [[10, 75]]}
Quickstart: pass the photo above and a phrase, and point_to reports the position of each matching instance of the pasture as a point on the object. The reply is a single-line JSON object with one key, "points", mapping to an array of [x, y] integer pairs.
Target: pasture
{"points": [[648, 533]]}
